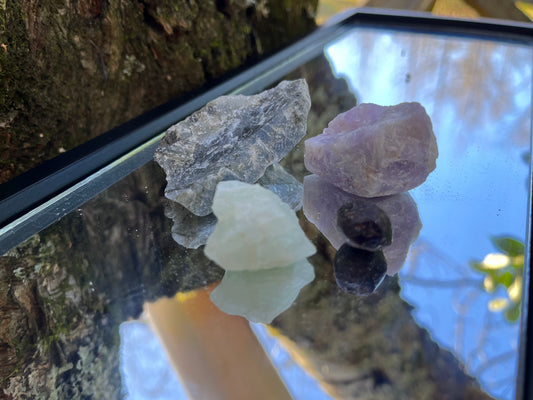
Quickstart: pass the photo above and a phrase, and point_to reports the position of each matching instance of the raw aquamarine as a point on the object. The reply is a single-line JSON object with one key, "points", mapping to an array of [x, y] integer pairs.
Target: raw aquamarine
{"points": [[255, 229], [262, 295], [374, 151], [231, 138]]}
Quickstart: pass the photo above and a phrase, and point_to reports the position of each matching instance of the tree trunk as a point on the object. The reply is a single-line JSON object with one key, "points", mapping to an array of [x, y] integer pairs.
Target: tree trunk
{"points": [[71, 70]]}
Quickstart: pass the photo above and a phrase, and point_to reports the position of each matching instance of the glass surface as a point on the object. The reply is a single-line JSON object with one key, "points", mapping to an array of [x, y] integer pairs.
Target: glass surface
{"points": [[444, 327]]}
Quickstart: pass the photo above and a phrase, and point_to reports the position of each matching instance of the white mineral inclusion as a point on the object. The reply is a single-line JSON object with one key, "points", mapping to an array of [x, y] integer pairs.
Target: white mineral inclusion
{"points": [[260, 296], [255, 229]]}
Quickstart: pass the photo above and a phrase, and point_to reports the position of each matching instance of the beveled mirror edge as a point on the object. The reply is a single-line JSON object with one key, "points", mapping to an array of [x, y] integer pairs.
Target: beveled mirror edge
{"points": [[524, 379]]}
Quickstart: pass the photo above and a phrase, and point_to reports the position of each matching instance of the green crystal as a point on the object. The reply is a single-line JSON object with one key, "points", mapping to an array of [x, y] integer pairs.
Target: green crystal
{"points": [[255, 229], [262, 295]]}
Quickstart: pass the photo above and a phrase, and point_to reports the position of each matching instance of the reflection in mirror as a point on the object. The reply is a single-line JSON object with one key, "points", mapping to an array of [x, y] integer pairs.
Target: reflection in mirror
{"points": [[145, 367], [359, 271], [364, 225], [478, 95], [260, 296], [436, 330], [258, 241], [323, 200]]}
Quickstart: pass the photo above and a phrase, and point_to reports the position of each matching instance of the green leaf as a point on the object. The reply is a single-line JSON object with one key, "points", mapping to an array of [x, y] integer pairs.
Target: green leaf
{"points": [[512, 314], [509, 246], [518, 262], [477, 266], [505, 279]]}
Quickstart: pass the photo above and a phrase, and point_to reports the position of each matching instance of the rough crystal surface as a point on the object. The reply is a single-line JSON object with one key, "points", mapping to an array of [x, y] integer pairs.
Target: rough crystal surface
{"points": [[262, 295], [279, 181], [255, 229], [364, 225], [322, 200], [231, 138], [188, 229], [374, 151], [192, 231], [359, 271]]}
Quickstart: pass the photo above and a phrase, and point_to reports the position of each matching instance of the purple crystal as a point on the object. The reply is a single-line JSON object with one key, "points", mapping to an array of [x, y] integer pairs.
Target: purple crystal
{"points": [[359, 271], [364, 225], [374, 151], [322, 200]]}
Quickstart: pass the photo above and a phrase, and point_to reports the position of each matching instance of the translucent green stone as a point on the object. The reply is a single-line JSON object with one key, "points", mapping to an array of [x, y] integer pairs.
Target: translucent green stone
{"points": [[255, 229], [260, 296]]}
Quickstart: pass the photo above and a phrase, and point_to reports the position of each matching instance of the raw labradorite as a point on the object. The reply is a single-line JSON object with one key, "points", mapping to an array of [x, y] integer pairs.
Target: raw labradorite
{"points": [[255, 229], [231, 138], [359, 271], [262, 295], [364, 225]]}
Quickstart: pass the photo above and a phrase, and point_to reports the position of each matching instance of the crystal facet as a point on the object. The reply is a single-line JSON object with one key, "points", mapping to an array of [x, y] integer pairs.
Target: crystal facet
{"points": [[374, 151], [231, 138], [279, 181], [262, 295], [255, 229], [364, 225], [359, 271]]}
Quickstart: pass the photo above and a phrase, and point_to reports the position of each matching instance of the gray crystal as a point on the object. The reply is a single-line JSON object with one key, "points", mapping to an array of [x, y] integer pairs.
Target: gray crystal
{"points": [[279, 181], [192, 231], [231, 138], [188, 229]]}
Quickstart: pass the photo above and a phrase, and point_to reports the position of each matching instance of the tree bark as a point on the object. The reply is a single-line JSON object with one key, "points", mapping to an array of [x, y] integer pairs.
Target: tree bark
{"points": [[72, 70]]}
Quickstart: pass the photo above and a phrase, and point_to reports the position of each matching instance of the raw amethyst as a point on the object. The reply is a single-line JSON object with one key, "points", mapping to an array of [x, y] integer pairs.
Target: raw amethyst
{"points": [[364, 225], [322, 200], [374, 151], [359, 271]]}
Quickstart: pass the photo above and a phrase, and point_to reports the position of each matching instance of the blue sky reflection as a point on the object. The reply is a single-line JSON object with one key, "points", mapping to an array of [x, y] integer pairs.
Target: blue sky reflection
{"points": [[478, 95]]}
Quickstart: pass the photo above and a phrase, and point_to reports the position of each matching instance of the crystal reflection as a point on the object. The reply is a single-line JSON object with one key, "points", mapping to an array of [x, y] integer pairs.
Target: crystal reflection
{"points": [[192, 231], [322, 200], [260, 296], [477, 94]]}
